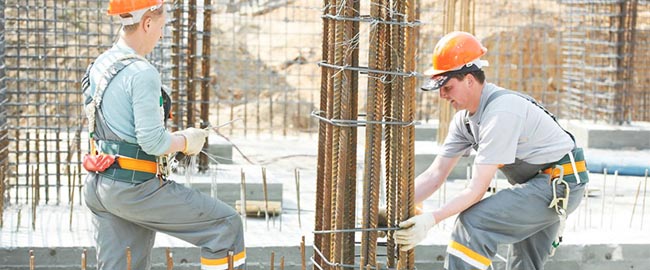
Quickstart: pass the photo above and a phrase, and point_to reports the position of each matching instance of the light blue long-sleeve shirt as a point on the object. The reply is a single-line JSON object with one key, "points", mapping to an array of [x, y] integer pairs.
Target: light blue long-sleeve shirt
{"points": [[131, 104]]}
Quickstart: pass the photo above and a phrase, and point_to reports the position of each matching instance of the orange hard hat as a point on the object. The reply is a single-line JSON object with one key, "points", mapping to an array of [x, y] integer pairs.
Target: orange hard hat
{"points": [[137, 8], [116, 7], [455, 52]]}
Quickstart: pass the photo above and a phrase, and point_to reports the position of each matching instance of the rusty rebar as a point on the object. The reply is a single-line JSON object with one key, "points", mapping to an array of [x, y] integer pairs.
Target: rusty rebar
{"points": [[128, 258], [266, 197], [32, 260], [176, 63], [408, 150], [372, 166], [169, 259], [84, 259], [206, 52], [190, 62]]}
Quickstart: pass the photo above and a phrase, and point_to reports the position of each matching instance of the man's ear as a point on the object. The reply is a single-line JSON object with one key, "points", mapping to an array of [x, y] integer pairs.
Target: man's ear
{"points": [[146, 24], [470, 79]]}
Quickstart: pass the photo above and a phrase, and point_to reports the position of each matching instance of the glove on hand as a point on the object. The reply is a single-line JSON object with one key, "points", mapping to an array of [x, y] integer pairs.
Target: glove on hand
{"points": [[194, 140], [414, 230], [382, 219]]}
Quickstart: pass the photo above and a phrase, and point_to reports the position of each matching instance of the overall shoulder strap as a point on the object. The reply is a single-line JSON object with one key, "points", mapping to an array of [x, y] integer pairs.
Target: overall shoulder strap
{"points": [[92, 104], [111, 72], [499, 93]]}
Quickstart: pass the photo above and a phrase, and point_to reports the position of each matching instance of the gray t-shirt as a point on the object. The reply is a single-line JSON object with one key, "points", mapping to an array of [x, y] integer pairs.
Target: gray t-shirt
{"points": [[509, 127]]}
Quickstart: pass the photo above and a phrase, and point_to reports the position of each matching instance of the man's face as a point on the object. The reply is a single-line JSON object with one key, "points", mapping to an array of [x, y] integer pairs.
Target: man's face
{"points": [[457, 92]]}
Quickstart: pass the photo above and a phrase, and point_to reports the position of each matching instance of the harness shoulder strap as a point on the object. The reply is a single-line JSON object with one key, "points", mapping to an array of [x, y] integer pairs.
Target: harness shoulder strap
{"points": [[499, 93], [92, 104], [111, 72]]}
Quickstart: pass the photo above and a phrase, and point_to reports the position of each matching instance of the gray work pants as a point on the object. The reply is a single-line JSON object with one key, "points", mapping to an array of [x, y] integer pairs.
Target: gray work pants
{"points": [[129, 215], [518, 215]]}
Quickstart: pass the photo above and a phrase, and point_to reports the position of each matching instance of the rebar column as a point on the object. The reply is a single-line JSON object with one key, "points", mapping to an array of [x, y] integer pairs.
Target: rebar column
{"points": [[389, 103]]}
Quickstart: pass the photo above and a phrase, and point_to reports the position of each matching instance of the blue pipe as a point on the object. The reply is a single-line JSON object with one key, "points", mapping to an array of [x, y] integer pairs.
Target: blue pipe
{"points": [[633, 163]]}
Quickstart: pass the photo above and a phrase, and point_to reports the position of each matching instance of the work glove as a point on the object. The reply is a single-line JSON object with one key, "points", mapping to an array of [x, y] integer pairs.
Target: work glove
{"points": [[194, 140], [382, 219], [414, 230]]}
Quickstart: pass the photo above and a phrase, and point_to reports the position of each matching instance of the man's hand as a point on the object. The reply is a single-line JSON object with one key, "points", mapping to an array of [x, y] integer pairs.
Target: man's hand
{"points": [[414, 230], [382, 219], [194, 140]]}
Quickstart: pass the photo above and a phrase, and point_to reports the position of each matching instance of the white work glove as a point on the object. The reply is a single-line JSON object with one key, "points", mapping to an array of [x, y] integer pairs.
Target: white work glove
{"points": [[414, 230], [194, 140]]}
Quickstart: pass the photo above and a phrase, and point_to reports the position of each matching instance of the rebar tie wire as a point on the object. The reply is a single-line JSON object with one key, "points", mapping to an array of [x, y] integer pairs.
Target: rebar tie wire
{"points": [[358, 123], [366, 70], [370, 20]]}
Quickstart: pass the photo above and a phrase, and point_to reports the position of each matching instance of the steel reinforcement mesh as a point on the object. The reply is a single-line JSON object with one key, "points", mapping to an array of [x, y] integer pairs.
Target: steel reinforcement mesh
{"points": [[263, 69]]}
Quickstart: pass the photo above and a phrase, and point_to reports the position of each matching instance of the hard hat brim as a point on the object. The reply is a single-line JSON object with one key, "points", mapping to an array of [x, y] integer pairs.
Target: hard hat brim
{"points": [[438, 80], [435, 83]]}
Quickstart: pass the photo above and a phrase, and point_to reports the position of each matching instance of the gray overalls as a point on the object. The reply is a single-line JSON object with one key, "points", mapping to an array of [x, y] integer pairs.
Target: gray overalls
{"points": [[129, 207], [517, 215]]}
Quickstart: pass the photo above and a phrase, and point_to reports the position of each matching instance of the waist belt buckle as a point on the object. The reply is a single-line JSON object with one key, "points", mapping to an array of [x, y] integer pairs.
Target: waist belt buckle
{"points": [[163, 165]]}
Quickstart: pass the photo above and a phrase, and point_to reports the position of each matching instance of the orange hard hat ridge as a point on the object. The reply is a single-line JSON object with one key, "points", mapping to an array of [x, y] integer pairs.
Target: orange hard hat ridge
{"points": [[116, 7], [455, 50]]}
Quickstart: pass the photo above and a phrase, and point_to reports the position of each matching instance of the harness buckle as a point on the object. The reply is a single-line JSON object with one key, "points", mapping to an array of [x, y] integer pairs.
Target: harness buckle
{"points": [[163, 166]]}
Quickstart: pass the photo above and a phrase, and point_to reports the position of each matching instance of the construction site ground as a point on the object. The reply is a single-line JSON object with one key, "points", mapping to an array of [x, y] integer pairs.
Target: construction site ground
{"points": [[608, 231]]}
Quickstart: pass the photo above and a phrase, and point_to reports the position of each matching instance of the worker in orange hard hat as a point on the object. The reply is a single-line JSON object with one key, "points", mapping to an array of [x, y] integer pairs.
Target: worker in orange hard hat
{"points": [[510, 132], [128, 189]]}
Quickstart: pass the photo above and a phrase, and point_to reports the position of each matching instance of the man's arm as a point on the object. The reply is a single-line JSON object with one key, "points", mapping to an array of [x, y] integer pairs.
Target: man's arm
{"points": [[473, 193], [432, 178], [415, 229]]}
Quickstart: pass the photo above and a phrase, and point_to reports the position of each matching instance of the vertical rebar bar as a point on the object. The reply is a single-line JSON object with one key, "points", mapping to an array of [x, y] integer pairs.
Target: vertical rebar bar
{"points": [[191, 60], [176, 63], [242, 193], [231, 260], [32, 260], [645, 189], [84, 258], [206, 52], [4, 133], [372, 156], [266, 198], [128, 258], [408, 151], [297, 174], [169, 259]]}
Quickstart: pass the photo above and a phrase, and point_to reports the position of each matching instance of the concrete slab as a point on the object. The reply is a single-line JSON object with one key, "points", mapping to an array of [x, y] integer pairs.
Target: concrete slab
{"points": [[427, 131], [219, 149], [612, 219]]}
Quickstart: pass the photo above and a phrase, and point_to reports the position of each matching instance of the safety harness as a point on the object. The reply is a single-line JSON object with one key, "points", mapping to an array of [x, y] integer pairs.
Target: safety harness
{"points": [[570, 169], [110, 155]]}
